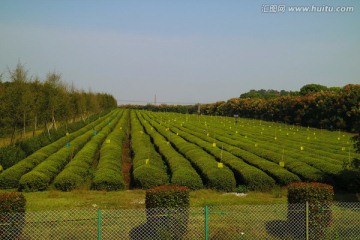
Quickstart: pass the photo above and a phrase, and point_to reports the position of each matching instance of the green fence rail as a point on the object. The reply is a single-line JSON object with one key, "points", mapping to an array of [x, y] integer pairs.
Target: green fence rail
{"points": [[280, 221]]}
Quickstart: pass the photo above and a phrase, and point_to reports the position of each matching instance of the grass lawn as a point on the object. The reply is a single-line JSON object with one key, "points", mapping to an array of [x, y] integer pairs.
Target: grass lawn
{"points": [[231, 215], [130, 199], [134, 199]]}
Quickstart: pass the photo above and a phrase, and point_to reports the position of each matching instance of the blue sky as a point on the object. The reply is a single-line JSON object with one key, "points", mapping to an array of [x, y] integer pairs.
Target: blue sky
{"points": [[184, 51]]}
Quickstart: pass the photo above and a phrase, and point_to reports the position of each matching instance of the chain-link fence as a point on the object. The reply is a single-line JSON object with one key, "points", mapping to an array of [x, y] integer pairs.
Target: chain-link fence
{"points": [[295, 221]]}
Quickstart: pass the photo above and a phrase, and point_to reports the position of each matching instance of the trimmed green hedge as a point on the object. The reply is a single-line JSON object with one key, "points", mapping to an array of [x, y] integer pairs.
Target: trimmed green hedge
{"points": [[12, 214], [204, 163], [12, 202], [269, 148], [108, 175], [108, 180], [246, 174], [166, 207], [187, 177], [149, 170], [170, 196], [182, 173], [43, 174], [12, 154], [80, 167], [319, 196], [148, 176], [11, 176], [310, 192], [238, 146], [311, 167]]}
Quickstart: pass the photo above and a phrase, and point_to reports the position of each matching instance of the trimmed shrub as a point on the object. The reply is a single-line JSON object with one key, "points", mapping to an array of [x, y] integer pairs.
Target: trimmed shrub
{"points": [[166, 207], [202, 161], [149, 169], [109, 176], [221, 179], [147, 176], [13, 154], [187, 177], [319, 196], [12, 214], [169, 196], [79, 168], [40, 177], [310, 192], [182, 173], [10, 177], [67, 181], [12, 202], [242, 147], [243, 172], [36, 181], [108, 180]]}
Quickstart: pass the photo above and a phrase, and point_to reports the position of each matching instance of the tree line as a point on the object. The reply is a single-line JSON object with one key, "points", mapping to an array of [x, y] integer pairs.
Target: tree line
{"points": [[314, 105], [26, 102], [305, 90], [327, 109]]}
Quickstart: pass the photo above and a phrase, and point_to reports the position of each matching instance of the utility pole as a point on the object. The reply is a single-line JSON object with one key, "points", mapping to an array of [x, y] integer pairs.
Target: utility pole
{"points": [[155, 100]]}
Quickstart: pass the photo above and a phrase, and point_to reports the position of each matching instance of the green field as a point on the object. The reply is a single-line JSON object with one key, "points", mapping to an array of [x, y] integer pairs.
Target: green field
{"points": [[132, 149], [107, 165]]}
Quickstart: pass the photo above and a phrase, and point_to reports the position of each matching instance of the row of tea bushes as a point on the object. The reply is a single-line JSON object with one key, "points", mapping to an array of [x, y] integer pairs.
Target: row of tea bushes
{"points": [[182, 173], [11, 176], [263, 150], [108, 175], [149, 170], [78, 170], [245, 174], [307, 166], [12, 154], [214, 177], [310, 158], [39, 178], [319, 163], [317, 149], [259, 170]]}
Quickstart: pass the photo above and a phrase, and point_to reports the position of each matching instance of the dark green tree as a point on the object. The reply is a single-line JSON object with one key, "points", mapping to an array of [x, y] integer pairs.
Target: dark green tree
{"points": [[312, 88], [266, 94]]}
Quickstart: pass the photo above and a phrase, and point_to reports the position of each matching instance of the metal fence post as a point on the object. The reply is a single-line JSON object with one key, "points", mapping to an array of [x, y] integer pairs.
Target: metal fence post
{"points": [[206, 223], [307, 220], [99, 224]]}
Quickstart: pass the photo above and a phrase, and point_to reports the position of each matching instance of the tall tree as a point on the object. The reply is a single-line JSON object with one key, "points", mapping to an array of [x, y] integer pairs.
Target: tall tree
{"points": [[18, 98], [26, 102], [38, 107], [53, 96]]}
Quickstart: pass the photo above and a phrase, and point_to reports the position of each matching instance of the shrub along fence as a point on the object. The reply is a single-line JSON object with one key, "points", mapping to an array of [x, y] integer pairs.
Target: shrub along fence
{"points": [[209, 222]]}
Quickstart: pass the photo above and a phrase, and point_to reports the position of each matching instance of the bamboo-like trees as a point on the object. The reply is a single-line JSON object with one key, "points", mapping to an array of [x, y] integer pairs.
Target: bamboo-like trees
{"points": [[27, 102]]}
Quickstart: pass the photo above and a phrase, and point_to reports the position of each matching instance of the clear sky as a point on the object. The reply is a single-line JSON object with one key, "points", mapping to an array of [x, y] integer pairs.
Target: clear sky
{"points": [[184, 51]]}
